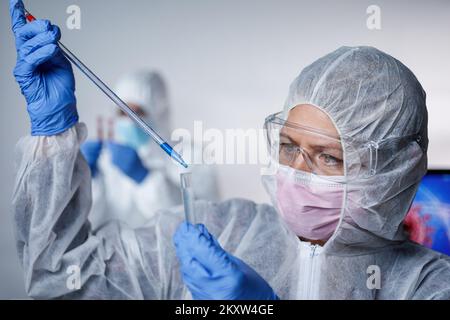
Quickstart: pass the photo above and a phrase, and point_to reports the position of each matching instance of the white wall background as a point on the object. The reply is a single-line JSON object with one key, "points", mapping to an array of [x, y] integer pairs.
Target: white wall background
{"points": [[228, 63]]}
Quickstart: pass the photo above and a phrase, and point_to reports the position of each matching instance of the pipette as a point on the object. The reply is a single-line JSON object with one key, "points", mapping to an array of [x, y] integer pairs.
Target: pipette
{"points": [[122, 105]]}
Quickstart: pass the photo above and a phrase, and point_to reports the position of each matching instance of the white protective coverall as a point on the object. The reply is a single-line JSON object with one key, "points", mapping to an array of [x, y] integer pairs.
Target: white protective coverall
{"points": [[369, 95]]}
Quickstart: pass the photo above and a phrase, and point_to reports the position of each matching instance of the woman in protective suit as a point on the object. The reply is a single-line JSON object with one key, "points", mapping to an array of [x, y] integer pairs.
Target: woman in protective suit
{"points": [[347, 154]]}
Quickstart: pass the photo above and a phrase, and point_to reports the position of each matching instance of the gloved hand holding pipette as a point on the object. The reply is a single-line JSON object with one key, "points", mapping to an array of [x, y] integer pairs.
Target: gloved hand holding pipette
{"points": [[54, 48], [44, 75]]}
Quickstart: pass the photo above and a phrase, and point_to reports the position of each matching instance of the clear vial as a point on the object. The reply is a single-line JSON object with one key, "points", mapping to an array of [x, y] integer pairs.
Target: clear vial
{"points": [[188, 196]]}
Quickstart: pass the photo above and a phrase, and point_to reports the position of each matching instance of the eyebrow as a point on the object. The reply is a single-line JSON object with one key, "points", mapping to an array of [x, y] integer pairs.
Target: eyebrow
{"points": [[326, 144]]}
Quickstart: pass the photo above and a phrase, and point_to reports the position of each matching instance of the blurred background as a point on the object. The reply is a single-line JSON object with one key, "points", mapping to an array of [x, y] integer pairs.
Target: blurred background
{"points": [[227, 64]]}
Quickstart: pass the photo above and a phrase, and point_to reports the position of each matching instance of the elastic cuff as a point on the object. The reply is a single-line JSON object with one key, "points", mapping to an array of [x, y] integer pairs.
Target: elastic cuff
{"points": [[56, 123]]}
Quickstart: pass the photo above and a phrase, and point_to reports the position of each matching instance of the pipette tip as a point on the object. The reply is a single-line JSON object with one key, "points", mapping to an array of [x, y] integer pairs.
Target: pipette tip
{"points": [[169, 150], [180, 161]]}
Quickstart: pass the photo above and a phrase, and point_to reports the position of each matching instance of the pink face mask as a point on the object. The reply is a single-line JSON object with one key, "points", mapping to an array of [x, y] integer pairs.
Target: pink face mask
{"points": [[310, 205]]}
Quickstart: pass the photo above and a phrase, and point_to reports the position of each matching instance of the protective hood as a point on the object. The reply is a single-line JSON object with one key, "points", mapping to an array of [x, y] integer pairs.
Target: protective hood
{"points": [[148, 90]]}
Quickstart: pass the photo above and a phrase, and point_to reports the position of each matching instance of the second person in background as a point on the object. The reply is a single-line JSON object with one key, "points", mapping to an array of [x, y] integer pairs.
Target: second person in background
{"points": [[131, 177]]}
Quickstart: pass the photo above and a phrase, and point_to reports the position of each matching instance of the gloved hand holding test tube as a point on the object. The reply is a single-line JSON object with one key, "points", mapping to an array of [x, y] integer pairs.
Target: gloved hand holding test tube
{"points": [[121, 104]]}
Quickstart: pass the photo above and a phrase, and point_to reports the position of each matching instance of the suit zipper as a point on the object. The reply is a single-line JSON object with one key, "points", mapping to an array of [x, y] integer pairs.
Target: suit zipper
{"points": [[310, 271]]}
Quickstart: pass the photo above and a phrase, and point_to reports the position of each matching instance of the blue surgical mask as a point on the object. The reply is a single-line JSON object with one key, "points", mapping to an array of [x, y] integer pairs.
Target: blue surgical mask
{"points": [[130, 134]]}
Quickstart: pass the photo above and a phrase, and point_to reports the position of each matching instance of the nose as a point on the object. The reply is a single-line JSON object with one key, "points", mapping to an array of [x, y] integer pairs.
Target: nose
{"points": [[301, 163]]}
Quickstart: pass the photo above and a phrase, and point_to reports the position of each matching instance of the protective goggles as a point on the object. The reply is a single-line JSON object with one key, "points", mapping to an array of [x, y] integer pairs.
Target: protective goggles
{"points": [[328, 155]]}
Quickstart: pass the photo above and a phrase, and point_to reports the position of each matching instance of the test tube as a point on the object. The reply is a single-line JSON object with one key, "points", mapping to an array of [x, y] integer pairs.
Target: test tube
{"points": [[188, 197]]}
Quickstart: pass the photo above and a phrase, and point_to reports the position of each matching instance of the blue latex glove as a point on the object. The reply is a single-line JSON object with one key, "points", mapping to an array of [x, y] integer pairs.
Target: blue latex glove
{"points": [[44, 75], [128, 161], [91, 151], [211, 273]]}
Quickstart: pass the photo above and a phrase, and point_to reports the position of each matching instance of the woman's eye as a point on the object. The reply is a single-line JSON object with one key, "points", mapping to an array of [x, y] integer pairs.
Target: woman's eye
{"points": [[329, 160], [288, 148]]}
